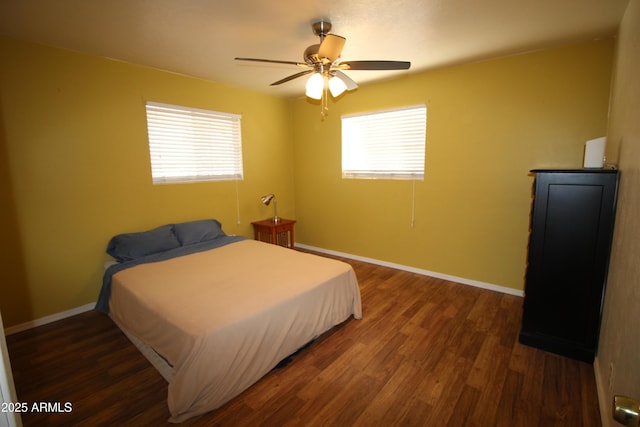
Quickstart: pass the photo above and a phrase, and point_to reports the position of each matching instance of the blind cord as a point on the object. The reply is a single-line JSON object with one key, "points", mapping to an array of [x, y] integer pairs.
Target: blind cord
{"points": [[413, 203], [237, 204]]}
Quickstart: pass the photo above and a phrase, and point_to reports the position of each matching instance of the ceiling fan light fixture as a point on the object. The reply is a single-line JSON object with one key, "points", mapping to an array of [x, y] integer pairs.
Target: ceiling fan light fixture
{"points": [[322, 62], [337, 86], [315, 86]]}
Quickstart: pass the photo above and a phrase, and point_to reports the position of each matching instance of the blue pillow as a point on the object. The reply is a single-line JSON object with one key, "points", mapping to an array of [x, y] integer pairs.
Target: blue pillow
{"points": [[130, 246], [198, 231]]}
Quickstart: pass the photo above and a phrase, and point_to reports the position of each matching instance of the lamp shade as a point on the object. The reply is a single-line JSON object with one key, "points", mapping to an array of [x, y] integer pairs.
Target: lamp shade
{"points": [[267, 200], [337, 86], [315, 85]]}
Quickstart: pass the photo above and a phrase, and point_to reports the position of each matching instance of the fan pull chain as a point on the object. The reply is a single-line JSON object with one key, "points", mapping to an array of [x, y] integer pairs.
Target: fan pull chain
{"points": [[324, 104]]}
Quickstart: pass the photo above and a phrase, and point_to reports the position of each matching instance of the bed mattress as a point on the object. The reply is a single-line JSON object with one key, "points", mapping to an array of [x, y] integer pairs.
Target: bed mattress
{"points": [[224, 317]]}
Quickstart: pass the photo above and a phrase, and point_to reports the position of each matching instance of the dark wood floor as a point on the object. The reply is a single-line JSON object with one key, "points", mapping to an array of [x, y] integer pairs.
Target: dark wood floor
{"points": [[427, 353]]}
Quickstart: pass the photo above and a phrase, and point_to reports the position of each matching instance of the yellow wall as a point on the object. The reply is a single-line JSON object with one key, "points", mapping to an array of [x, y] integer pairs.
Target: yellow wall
{"points": [[74, 141], [14, 300], [74, 138], [488, 124]]}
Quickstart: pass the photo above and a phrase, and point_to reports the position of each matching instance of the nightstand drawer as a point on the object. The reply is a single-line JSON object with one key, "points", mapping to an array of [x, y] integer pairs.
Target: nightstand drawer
{"points": [[278, 233]]}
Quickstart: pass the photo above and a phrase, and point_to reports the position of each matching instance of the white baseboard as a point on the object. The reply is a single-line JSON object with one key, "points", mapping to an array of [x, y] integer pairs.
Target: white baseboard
{"points": [[464, 281], [48, 319]]}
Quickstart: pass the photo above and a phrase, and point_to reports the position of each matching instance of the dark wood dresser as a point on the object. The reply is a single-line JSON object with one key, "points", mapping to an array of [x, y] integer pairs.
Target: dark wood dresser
{"points": [[570, 241]]}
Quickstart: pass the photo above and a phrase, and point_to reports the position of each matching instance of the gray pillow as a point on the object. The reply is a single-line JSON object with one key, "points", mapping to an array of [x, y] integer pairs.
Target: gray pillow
{"points": [[130, 246], [198, 231]]}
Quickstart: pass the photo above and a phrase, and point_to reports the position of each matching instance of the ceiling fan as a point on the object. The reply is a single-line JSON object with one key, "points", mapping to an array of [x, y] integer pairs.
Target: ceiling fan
{"points": [[323, 62]]}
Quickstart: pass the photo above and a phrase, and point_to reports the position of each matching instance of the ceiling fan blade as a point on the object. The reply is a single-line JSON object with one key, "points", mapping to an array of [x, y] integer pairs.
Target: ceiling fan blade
{"points": [[294, 76], [274, 61], [331, 47], [374, 65], [351, 85]]}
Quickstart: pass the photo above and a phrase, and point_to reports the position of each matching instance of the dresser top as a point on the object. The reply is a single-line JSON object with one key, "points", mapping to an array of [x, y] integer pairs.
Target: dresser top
{"points": [[584, 170]]}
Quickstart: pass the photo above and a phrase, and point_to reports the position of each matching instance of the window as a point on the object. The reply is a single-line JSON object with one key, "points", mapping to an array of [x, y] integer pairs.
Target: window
{"points": [[189, 144], [386, 144]]}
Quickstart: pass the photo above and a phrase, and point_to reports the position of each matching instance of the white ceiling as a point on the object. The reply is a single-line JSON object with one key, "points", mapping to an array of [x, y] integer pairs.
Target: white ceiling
{"points": [[201, 37]]}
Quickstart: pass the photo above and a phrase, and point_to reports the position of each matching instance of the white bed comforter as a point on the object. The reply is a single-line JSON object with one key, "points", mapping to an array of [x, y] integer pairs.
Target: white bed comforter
{"points": [[225, 317]]}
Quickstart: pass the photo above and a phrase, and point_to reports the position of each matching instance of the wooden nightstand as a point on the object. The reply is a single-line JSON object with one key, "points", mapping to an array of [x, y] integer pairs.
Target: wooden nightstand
{"points": [[278, 233]]}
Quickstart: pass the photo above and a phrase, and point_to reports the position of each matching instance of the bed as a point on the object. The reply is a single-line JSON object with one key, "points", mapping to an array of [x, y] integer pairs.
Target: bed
{"points": [[214, 313]]}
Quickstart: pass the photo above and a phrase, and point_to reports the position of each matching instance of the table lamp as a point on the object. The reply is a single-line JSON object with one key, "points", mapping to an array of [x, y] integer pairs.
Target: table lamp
{"points": [[266, 200]]}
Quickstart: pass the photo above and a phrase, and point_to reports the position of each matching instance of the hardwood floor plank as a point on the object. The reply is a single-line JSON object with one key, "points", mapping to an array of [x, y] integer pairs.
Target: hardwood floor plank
{"points": [[454, 385], [415, 415], [393, 399], [512, 410], [348, 403], [464, 408], [427, 353]]}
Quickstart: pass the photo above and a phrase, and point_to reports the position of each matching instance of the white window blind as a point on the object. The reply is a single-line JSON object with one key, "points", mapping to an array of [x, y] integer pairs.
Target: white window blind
{"points": [[387, 144], [190, 144]]}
